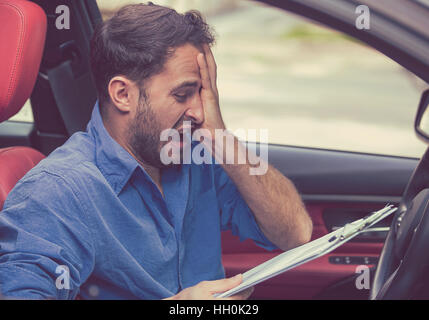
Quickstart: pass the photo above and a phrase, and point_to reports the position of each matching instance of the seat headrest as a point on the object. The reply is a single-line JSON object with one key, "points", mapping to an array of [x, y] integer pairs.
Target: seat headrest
{"points": [[22, 39]]}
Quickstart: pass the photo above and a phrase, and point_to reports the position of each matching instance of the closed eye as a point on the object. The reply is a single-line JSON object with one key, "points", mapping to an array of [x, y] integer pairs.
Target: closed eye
{"points": [[185, 90], [181, 97]]}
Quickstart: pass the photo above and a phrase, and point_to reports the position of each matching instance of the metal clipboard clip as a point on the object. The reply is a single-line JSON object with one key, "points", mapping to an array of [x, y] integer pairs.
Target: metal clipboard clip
{"points": [[350, 230], [309, 251]]}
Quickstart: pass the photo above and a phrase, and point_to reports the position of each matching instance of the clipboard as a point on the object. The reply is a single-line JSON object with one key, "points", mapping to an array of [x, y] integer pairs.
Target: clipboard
{"points": [[307, 252]]}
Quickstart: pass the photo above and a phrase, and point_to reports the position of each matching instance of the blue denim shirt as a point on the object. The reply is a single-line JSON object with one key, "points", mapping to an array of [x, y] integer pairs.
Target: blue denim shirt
{"points": [[92, 209]]}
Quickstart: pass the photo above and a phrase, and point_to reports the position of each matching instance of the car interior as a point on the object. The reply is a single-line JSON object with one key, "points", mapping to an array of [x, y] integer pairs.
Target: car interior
{"points": [[51, 68]]}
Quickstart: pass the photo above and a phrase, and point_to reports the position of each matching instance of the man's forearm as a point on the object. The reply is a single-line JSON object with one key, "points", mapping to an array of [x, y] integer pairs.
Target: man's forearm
{"points": [[272, 197]]}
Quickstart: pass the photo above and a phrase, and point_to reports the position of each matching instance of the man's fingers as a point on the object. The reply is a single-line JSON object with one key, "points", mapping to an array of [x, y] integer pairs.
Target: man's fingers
{"points": [[222, 285], [204, 72], [211, 64], [243, 295]]}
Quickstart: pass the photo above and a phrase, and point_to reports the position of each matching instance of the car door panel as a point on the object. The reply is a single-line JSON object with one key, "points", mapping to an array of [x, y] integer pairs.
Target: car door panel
{"points": [[14, 133], [336, 187]]}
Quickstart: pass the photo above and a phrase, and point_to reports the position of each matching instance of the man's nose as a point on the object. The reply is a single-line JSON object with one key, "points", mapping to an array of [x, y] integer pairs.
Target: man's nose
{"points": [[195, 110]]}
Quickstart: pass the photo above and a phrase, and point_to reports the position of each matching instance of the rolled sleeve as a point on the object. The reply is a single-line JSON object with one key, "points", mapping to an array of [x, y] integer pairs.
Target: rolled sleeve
{"points": [[42, 227], [235, 213]]}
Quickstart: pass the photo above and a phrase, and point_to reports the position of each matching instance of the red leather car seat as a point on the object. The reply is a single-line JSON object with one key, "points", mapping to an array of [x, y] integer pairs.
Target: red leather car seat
{"points": [[22, 39]]}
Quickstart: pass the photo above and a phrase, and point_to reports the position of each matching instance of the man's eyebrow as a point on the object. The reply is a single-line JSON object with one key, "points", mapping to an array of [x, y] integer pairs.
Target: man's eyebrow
{"points": [[185, 85]]}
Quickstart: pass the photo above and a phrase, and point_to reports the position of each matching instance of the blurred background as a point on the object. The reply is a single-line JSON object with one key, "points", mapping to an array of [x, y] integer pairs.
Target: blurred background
{"points": [[308, 85]]}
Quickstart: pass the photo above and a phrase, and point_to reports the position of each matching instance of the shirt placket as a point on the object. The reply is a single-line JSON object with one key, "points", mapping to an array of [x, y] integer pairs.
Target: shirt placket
{"points": [[176, 190]]}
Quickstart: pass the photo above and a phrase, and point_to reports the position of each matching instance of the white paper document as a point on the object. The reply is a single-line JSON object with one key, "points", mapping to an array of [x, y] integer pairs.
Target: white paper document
{"points": [[307, 252]]}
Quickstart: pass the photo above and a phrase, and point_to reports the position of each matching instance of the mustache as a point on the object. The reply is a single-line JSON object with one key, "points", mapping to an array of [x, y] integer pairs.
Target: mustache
{"points": [[182, 119]]}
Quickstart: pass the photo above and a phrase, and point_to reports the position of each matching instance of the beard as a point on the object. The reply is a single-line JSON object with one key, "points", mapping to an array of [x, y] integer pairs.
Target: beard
{"points": [[144, 135]]}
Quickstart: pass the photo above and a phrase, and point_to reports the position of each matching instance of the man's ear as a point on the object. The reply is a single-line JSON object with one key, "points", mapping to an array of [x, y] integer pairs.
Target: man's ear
{"points": [[123, 93]]}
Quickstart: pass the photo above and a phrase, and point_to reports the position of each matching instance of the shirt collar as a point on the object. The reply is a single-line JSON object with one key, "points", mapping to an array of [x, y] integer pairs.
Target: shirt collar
{"points": [[115, 163]]}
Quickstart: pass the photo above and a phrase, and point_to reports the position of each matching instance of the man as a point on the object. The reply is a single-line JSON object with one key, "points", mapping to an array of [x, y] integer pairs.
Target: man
{"points": [[104, 217]]}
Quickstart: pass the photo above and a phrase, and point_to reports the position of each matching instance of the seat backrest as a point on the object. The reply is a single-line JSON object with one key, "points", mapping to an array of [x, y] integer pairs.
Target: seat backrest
{"points": [[22, 39], [15, 162]]}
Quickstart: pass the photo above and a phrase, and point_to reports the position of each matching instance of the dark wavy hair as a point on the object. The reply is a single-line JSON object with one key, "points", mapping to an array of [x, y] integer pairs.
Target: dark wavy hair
{"points": [[137, 41]]}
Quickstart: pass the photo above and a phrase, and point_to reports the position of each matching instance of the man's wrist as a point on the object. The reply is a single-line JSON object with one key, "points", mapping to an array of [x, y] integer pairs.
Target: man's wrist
{"points": [[226, 148]]}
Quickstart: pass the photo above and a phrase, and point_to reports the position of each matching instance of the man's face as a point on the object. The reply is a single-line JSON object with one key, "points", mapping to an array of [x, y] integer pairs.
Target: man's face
{"points": [[172, 96]]}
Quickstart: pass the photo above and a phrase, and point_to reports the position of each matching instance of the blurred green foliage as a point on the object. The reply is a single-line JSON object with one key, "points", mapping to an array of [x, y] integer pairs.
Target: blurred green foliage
{"points": [[310, 32]]}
